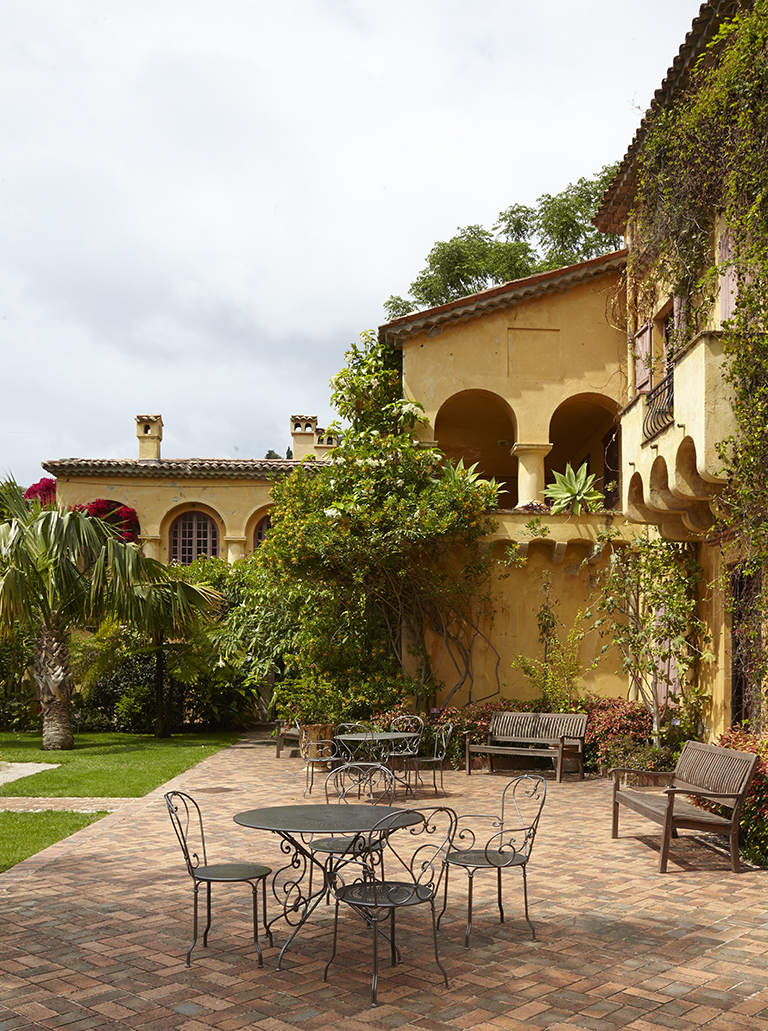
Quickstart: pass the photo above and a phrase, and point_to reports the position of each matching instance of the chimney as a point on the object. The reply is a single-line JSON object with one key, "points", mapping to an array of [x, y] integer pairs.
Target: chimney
{"points": [[304, 435], [149, 430]]}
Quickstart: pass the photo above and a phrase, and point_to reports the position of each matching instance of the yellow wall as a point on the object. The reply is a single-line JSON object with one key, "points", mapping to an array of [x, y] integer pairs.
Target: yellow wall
{"points": [[236, 506], [549, 370]]}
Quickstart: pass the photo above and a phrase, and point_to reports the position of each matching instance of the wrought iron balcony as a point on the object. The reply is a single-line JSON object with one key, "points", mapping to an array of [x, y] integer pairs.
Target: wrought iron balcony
{"points": [[660, 407]]}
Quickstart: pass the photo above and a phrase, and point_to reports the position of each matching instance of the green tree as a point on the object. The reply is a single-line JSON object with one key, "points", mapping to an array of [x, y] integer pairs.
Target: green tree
{"points": [[64, 569], [557, 231], [381, 542]]}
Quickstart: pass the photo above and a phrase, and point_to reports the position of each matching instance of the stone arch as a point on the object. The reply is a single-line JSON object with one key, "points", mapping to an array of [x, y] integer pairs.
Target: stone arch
{"points": [[687, 482], [173, 515], [480, 427], [584, 428]]}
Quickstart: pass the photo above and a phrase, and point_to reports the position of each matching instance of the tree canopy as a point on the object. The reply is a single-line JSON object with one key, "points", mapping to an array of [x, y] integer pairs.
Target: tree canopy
{"points": [[557, 231]]}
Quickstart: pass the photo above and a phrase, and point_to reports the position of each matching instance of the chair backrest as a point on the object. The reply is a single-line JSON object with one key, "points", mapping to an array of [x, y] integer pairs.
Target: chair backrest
{"points": [[350, 751], [521, 803], [511, 832], [356, 782], [320, 750], [442, 740], [416, 842], [187, 821], [411, 724]]}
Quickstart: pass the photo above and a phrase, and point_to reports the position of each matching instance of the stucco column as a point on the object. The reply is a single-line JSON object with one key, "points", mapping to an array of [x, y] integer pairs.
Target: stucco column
{"points": [[235, 548], [530, 475], [150, 545]]}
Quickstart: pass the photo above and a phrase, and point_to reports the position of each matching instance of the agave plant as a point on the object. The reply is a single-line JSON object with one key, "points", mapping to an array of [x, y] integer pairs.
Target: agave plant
{"points": [[572, 489]]}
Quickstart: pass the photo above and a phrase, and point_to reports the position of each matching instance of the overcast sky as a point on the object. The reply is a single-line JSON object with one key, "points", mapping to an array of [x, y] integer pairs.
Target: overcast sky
{"points": [[205, 201]]}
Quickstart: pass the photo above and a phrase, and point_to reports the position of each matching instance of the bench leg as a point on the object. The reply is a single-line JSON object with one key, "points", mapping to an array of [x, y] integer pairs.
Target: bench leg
{"points": [[666, 835], [735, 861], [615, 824], [467, 757]]}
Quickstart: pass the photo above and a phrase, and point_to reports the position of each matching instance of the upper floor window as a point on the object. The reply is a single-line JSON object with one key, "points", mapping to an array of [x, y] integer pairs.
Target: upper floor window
{"points": [[261, 531], [194, 535]]}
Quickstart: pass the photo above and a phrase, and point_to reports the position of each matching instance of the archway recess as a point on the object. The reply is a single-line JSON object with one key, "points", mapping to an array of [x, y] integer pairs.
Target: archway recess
{"points": [[479, 427], [584, 429]]}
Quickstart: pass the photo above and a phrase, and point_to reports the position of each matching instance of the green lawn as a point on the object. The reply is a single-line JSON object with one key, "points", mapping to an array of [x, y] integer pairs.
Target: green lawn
{"points": [[24, 834], [106, 765]]}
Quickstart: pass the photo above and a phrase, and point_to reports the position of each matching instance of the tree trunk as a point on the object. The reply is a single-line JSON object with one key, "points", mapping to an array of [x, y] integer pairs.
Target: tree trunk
{"points": [[52, 674]]}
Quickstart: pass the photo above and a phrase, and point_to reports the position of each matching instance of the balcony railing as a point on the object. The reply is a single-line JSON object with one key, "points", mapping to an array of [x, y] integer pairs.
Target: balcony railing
{"points": [[660, 407]]}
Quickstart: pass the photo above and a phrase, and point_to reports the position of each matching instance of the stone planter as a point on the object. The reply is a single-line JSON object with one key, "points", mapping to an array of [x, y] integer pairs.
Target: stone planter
{"points": [[310, 734]]}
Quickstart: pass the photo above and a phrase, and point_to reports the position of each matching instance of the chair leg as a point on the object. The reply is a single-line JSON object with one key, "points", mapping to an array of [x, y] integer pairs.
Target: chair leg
{"points": [[267, 928], [469, 908], [254, 893], [525, 899], [498, 894], [335, 938], [434, 938], [392, 947], [375, 977], [208, 913], [445, 894], [194, 926]]}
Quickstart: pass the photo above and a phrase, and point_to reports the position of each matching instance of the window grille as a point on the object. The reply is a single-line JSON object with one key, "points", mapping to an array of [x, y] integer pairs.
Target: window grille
{"points": [[194, 535]]}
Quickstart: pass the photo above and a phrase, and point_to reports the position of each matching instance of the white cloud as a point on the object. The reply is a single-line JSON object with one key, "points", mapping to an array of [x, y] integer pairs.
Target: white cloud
{"points": [[203, 203]]}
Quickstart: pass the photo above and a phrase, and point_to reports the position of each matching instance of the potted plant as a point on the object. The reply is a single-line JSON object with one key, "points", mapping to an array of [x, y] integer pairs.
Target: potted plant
{"points": [[313, 704]]}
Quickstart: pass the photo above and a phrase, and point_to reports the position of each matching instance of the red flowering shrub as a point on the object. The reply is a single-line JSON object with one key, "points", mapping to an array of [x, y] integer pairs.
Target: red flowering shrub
{"points": [[43, 491], [123, 518], [618, 734], [753, 826]]}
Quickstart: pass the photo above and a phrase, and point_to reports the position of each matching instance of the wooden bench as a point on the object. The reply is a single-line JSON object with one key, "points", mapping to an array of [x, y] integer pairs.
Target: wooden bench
{"points": [[285, 731], [703, 771], [556, 734]]}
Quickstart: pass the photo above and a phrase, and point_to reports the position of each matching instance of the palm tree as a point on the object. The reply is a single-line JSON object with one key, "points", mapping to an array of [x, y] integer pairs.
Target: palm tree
{"points": [[64, 569]]}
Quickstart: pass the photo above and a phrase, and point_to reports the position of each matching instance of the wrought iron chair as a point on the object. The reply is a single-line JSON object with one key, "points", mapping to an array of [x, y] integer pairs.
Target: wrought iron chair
{"points": [[503, 842], [354, 782], [407, 747], [354, 751], [187, 821], [315, 753], [418, 841], [436, 760]]}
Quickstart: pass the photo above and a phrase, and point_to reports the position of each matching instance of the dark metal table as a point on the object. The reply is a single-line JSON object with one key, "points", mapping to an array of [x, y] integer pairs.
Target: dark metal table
{"points": [[296, 824]]}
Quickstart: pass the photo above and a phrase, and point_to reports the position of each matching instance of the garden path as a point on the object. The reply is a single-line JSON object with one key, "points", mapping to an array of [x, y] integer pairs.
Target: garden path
{"points": [[95, 928]]}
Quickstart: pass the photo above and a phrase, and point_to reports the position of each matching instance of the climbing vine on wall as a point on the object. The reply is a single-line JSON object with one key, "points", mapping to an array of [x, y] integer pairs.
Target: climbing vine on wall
{"points": [[702, 209]]}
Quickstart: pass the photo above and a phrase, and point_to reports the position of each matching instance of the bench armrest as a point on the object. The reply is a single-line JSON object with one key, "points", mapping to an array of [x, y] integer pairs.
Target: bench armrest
{"points": [[644, 773]]}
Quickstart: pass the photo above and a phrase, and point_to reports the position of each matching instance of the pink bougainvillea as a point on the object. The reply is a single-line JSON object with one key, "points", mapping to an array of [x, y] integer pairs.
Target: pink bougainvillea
{"points": [[43, 491], [123, 518]]}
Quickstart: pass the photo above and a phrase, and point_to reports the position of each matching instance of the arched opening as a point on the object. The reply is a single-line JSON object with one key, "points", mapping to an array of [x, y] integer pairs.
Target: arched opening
{"points": [[479, 427], [584, 429], [261, 531], [193, 535]]}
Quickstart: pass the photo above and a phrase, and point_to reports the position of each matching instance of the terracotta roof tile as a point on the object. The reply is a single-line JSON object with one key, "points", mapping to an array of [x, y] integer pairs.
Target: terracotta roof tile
{"points": [[432, 320], [172, 468]]}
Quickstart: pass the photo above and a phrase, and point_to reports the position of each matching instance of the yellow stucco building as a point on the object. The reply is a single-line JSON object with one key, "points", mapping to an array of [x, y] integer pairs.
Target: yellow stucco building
{"points": [[520, 380], [188, 507]]}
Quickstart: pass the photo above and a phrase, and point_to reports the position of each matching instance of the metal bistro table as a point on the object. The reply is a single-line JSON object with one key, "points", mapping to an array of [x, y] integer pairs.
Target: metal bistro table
{"points": [[295, 824], [388, 743]]}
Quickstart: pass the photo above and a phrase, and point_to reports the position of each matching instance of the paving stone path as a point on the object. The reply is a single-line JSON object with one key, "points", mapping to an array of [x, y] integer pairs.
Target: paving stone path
{"points": [[94, 929]]}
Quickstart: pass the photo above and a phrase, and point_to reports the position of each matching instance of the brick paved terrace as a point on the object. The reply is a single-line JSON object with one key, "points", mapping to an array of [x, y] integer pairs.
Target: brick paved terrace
{"points": [[94, 930]]}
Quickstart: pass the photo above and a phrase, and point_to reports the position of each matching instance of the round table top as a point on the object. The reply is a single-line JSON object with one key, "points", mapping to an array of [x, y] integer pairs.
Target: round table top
{"points": [[322, 819]]}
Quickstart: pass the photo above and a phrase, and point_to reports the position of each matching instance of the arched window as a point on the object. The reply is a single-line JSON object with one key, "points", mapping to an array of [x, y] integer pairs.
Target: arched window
{"points": [[261, 531], [194, 535]]}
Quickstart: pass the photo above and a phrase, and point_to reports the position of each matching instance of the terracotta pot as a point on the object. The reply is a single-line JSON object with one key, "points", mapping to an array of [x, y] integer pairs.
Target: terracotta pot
{"points": [[311, 733]]}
